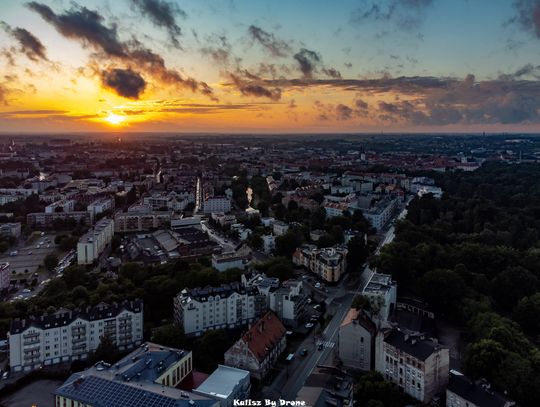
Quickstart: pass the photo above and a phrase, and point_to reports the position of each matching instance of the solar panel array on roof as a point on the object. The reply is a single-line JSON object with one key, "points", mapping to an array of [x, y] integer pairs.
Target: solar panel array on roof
{"points": [[100, 392]]}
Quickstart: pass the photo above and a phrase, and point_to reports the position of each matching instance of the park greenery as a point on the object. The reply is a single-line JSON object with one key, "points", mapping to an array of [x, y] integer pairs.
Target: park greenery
{"points": [[474, 256]]}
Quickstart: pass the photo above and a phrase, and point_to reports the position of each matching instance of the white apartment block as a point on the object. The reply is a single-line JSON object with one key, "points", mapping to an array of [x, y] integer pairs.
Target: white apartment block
{"points": [[328, 263], [101, 205], [72, 335], [139, 221], [379, 215], [216, 204], [226, 307], [417, 365], [11, 229], [67, 205], [92, 244]]}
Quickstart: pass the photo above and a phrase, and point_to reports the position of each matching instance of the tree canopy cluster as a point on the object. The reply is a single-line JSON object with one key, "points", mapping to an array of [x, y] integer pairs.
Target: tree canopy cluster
{"points": [[474, 256]]}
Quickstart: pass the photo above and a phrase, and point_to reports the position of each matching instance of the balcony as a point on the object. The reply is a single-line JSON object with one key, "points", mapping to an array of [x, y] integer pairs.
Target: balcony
{"points": [[31, 341], [32, 356], [30, 335], [80, 345], [78, 339]]}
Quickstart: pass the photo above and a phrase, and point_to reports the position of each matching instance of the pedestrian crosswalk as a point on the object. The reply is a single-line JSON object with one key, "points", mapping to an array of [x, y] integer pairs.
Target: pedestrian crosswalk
{"points": [[326, 344]]}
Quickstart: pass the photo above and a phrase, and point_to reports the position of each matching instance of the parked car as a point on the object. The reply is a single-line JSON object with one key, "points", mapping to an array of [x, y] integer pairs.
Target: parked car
{"points": [[320, 347], [309, 325], [304, 352]]}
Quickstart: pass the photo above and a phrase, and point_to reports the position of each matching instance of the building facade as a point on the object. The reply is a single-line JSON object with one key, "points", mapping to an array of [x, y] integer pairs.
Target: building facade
{"points": [[356, 341], [225, 307], [148, 376], [328, 263], [216, 204], [92, 244], [71, 335], [259, 348], [417, 365]]}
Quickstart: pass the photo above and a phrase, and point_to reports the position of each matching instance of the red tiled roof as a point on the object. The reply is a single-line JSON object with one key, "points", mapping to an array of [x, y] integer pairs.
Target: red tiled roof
{"points": [[264, 335]]}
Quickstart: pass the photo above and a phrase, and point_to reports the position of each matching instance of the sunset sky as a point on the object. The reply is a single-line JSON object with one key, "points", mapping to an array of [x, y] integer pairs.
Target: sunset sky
{"points": [[269, 66]]}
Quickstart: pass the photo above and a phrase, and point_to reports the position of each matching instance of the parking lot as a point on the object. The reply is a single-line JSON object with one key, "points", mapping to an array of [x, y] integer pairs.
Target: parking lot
{"points": [[29, 256]]}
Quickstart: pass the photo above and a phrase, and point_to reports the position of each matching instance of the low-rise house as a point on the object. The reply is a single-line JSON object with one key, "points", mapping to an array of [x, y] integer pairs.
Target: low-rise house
{"points": [[259, 348]]}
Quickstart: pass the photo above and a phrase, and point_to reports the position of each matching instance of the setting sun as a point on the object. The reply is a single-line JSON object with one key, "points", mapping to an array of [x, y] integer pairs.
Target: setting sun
{"points": [[114, 119]]}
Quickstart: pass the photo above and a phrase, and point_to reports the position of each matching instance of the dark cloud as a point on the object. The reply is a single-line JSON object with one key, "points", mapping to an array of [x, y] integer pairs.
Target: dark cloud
{"points": [[162, 14], [469, 102], [35, 112], [88, 27], [343, 112], [405, 14], [528, 15], [219, 50], [307, 62], [84, 25], [30, 45], [332, 73], [275, 46], [125, 82], [249, 85]]}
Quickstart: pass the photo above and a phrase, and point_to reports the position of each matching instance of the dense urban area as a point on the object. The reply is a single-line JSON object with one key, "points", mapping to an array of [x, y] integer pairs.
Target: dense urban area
{"points": [[319, 270]]}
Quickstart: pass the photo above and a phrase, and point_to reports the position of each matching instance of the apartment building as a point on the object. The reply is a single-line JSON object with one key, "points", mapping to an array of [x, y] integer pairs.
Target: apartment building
{"points": [[289, 302], [42, 219], [225, 307], [379, 215], [169, 201], [259, 348], [463, 392], [328, 263], [92, 244], [65, 205], [382, 292], [417, 365], [5, 275], [71, 335], [227, 385], [148, 376], [101, 205], [356, 341], [229, 260], [280, 228], [216, 204], [11, 230], [141, 221]]}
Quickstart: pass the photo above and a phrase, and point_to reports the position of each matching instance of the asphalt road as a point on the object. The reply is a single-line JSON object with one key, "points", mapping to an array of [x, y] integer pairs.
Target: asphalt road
{"points": [[289, 381]]}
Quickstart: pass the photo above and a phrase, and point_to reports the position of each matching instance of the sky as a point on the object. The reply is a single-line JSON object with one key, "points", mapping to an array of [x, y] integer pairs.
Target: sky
{"points": [[249, 66]]}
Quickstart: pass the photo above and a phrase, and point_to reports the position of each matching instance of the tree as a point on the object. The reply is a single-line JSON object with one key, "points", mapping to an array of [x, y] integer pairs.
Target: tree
{"points": [[443, 290], [50, 261], [372, 390], [527, 312], [106, 351], [256, 241], [513, 284], [170, 335], [357, 253], [287, 243]]}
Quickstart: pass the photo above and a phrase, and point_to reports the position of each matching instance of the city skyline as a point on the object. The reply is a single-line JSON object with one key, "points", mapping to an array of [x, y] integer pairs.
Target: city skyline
{"points": [[239, 66]]}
